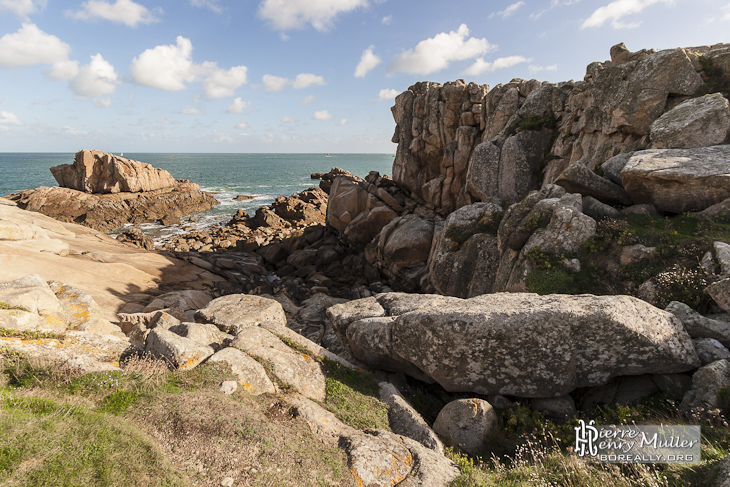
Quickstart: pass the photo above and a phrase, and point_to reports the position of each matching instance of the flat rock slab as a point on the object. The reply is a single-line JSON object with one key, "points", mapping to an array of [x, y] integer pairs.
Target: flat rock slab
{"points": [[251, 374], [32, 294], [379, 459], [699, 326], [679, 180], [405, 420], [527, 345], [697, 122], [236, 312], [203, 333], [180, 352]]}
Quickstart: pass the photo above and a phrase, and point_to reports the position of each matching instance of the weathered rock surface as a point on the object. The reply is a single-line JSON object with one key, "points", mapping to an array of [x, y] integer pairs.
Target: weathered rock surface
{"points": [[95, 171], [579, 179], [697, 122], [251, 374], [481, 344], [679, 180], [404, 420], [236, 312], [466, 423], [203, 333], [33, 295], [181, 353], [710, 350], [706, 384], [699, 326]]}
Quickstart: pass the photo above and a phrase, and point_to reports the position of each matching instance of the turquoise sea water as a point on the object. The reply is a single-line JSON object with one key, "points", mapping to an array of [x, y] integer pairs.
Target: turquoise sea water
{"points": [[265, 176]]}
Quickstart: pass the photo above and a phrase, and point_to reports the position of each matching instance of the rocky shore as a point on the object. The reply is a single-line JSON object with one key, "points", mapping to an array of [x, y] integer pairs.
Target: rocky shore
{"points": [[553, 246]]}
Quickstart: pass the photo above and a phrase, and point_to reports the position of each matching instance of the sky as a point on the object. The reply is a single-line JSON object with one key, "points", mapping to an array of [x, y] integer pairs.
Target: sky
{"points": [[291, 75]]}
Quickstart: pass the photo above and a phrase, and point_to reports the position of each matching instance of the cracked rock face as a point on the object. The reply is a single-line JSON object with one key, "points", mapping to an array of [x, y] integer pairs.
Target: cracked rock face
{"points": [[516, 344]]}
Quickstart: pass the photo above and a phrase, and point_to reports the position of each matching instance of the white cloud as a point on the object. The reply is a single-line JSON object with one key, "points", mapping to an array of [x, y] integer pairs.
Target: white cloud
{"points": [[30, 45], [166, 67], [304, 80], [386, 94], [386, 20], [63, 70], [237, 106], [289, 120], [74, 131], [480, 65], [323, 115], [296, 14], [9, 118], [122, 11], [553, 4], [221, 83], [617, 10], [274, 83], [307, 100], [242, 125], [535, 69], [437, 52], [213, 5], [342, 122], [22, 8], [509, 11], [191, 111], [96, 78], [368, 61], [102, 102]]}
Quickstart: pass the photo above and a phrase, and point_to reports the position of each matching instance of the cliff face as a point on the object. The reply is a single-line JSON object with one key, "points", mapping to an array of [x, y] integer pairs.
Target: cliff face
{"points": [[460, 143]]}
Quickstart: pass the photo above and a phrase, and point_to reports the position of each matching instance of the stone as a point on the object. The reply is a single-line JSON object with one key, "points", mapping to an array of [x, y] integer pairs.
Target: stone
{"points": [[251, 374], [184, 300], [235, 312], [135, 237], [297, 370], [723, 474], [635, 253], [321, 422], [679, 180], [404, 420], [100, 172], [378, 459], [228, 387], [699, 326], [577, 178], [164, 318], [643, 209], [710, 350], [447, 340], [466, 423], [562, 407], [674, 386], [82, 312], [31, 293], [719, 291], [697, 122], [597, 210], [310, 346], [612, 168], [620, 391], [722, 253], [706, 384], [179, 352], [520, 164], [203, 333], [430, 468]]}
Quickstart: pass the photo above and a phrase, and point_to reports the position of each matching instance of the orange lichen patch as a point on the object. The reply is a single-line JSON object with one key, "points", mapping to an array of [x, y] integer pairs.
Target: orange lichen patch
{"points": [[395, 468], [247, 386], [358, 480], [79, 313]]}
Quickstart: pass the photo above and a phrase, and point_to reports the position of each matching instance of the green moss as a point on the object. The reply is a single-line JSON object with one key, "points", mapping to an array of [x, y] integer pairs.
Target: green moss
{"points": [[352, 396], [715, 79], [30, 334], [4, 305], [538, 122], [534, 222]]}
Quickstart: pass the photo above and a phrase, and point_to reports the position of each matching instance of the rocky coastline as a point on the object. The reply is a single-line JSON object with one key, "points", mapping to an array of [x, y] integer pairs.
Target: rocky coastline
{"points": [[559, 246]]}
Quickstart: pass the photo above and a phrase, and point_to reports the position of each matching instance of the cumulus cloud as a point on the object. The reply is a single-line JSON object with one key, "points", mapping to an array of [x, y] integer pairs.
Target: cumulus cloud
{"points": [[96, 78], [274, 83], [169, 67], [22, 8], [304, 80], [237, 106], [296, 14], [480, 65], [307, 100], [221, 83], [102, 102], [289, 120], [9, 118], [323, 115], [368, 61], [535, 69], [213, 5], [437, 52], [30, 45], [509, 11], [122, 11], [242, 125], [62, 70], [616, 11], [387, 94], [342, 122], [191, 111]]}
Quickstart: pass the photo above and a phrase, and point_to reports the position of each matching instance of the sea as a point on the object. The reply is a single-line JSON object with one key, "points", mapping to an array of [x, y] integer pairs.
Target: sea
{"points": [[263, 176]]}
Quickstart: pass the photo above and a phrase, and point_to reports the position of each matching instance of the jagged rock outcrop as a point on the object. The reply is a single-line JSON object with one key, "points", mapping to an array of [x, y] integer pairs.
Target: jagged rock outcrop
{"points": [[99, 172], [514, 344], [697, 122]]}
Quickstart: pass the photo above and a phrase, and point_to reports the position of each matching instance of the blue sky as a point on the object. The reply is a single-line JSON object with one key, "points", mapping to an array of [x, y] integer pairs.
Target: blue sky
{"points": [[290, 75]]}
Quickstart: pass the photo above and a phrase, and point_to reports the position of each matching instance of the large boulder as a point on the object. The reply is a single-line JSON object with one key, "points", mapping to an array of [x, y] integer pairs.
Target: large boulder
{"points": [[697, 122], [466, 423], [95, 171], [706, 385], [236, 312], [679, 180], [514, 343]]}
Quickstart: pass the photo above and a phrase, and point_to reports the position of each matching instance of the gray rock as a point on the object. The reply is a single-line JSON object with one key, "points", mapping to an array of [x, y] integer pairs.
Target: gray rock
{"points": [[203, 333], [466, 423], [597, 210], [403, 246], [236, 312], [679, 180], [520, 164], [706, 384], [674, 386], [708, 263], [430, 468], [710, 350], [165, 318], [697, 122], [481, 344], [577, 178], [642, 209], [720, 293], [342, 315], [303, 342], [179, 352], [251, 374], [378, 459], [635, 253], [612, 167], [562, 407], [567, 229], [699, 326], [228, 387], [295, 369], [571, 265], [722, 252], [620, 391], [723, 473], [404, 420]]}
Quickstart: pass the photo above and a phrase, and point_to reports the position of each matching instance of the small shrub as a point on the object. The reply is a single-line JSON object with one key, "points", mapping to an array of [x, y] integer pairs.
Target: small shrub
{"points": [[4, 305], [538, 122]]}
